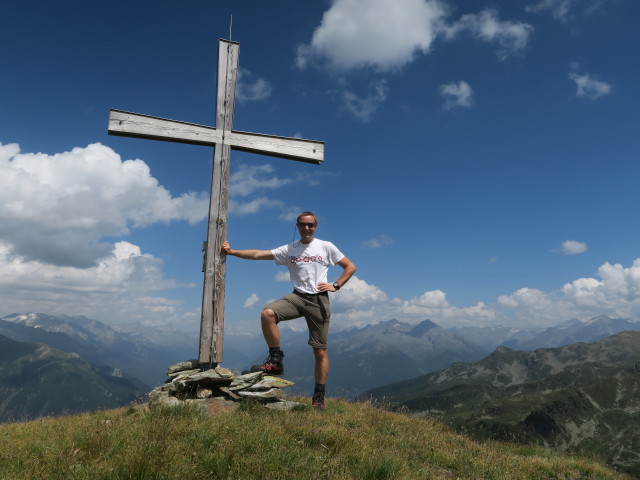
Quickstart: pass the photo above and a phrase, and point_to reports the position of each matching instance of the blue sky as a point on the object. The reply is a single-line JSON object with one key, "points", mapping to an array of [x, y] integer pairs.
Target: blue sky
{"points": [[481, 159]]}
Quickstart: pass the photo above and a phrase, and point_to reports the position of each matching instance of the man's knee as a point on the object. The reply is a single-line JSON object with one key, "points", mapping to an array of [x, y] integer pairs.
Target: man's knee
{"points": [[268, 315], [320, 353]]}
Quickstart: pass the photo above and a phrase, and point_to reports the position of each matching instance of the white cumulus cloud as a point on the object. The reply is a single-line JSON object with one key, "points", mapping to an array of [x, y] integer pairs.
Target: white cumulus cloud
{"points": [[363, 108], [246, 182], [572, 247], [377, 242], [531, 298], [358, 293], [247, 179], [359, 303], [122, 286], [251, 89], [511, 37], [57, 208], [615, 292], [588, 86], [283, 276], [382, 34], [564, 10], [252, 301], [456, 95]]}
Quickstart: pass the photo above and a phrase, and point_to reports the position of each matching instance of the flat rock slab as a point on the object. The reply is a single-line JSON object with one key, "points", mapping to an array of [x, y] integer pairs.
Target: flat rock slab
{"points": [[245, 381], [208, 377], [183, 373], [273, 382], [272, 394], [285, 405], [181, 366], [161, 398]]}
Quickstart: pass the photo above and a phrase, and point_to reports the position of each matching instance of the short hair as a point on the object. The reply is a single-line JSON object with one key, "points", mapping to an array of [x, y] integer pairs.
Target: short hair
{"points": [[305, 214]]}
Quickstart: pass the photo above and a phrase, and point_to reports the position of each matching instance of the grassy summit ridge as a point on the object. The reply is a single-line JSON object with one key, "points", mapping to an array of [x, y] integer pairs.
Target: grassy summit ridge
{"points": [[348, 441]]}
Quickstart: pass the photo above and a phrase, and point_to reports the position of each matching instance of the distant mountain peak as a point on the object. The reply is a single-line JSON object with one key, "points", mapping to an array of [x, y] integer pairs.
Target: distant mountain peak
{"points": [[423, 327], [598, 319], [20, 317]]}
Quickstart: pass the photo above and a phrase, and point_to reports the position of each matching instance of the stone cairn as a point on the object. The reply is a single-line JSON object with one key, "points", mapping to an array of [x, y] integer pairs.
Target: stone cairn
{"points": [[219, 390]]}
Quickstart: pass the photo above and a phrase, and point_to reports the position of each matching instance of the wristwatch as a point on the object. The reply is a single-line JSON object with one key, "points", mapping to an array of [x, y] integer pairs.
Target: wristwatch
{"points": [[336, 285]]}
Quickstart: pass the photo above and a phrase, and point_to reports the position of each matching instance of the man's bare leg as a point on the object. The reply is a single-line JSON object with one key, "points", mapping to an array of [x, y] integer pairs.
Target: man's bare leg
{"points": [[321, 373], [273, 364], [322, 365], [270, 328]]}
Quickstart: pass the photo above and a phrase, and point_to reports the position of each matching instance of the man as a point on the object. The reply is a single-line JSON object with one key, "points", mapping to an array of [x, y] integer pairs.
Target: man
{"points": [[308, 261]]}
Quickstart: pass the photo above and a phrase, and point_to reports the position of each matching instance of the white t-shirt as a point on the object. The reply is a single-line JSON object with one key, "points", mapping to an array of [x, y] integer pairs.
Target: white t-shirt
{"points": [[308, 263]]}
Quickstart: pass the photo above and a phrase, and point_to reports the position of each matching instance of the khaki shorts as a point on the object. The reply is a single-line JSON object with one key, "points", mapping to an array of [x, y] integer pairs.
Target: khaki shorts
{"points": [[294, 306]]}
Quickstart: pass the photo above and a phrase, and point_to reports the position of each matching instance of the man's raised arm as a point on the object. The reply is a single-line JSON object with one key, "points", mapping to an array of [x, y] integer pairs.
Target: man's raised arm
{"points": [[247, 254], [349, 270]]}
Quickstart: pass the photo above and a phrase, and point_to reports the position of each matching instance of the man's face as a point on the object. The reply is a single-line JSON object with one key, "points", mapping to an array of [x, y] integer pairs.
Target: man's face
{"points": [[307, 227]]}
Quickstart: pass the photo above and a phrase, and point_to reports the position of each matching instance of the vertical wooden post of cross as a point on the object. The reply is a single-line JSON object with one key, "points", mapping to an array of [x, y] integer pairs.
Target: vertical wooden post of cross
{"points": [[212, 319]]}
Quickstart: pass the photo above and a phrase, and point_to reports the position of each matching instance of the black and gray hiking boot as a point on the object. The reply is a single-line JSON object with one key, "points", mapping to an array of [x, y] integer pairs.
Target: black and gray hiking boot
{"points": [[272, 365], [317, 401]]}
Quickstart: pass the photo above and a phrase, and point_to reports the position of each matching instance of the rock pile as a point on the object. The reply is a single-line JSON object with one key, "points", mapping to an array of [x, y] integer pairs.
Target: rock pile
{"points": [[219, 389]]}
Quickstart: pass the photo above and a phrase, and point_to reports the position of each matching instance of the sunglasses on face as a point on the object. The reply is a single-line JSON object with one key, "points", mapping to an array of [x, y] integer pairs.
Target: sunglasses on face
{"points": [[303, 224]]}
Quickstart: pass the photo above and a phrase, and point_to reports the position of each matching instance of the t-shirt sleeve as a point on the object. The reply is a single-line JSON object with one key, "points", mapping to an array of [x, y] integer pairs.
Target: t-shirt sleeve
{"points": [[334, 254], [280, 254]]}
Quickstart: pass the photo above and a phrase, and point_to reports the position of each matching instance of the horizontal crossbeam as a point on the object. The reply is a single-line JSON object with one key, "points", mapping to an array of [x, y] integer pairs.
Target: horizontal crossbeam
{"points": [[128, 124]]}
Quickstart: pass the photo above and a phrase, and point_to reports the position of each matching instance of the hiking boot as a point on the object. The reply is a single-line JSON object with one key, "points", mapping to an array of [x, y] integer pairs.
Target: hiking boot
{"points": [[272, 365], [317, 401]]}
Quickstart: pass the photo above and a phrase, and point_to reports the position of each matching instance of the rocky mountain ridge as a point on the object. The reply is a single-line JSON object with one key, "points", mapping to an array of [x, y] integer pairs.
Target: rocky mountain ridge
{"points": [[361, 358], [582, 398], [38, 380], [565, 333], [97, 342], [379, 354]]}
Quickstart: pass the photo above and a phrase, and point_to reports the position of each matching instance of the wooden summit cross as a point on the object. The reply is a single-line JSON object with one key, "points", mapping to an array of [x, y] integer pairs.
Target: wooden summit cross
{"points": [[224, 139]]}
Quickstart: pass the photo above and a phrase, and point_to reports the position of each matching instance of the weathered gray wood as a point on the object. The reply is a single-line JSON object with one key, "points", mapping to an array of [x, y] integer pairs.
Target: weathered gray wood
{"points": [[128, 124], [223, 138], [310, 151], [212, 319]]}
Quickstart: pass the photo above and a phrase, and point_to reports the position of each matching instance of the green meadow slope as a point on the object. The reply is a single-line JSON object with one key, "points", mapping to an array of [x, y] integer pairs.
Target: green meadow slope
{"points": [[347, 441]]}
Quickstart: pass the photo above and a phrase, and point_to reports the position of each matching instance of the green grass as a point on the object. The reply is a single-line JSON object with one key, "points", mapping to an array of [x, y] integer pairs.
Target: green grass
{"points": [[347, 441]]}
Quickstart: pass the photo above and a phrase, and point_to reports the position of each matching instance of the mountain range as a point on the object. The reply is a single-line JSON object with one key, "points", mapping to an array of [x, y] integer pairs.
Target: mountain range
{"points": [[582, 398], [360, 358], [573, 331], [376, 355], [566, 333], [37, 380], [98, 343]]}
